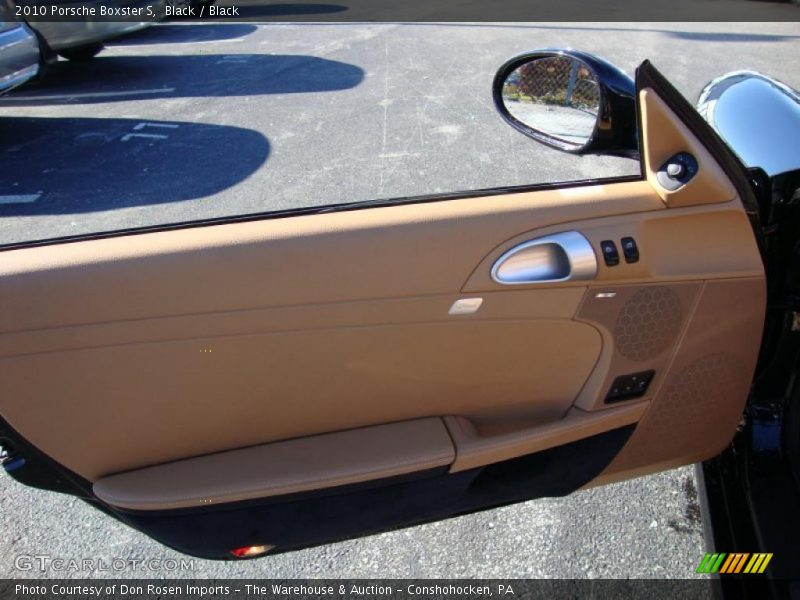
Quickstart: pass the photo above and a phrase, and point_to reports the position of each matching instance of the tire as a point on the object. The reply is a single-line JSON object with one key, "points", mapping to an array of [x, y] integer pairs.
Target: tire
{"points": [[46, 56], [81, 53]]}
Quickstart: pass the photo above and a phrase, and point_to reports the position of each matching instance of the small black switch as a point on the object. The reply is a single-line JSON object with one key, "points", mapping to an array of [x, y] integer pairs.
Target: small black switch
{"points": [[610, 254], [629, 249], [628, 387]]}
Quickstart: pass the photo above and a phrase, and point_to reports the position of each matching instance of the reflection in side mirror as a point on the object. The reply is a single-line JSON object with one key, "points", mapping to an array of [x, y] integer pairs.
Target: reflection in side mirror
{"points": [[559, 96], [570, 100]]}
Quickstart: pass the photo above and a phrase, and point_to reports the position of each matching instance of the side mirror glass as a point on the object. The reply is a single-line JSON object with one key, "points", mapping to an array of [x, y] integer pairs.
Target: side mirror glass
{"points": [[570, 100], [556, 96]]}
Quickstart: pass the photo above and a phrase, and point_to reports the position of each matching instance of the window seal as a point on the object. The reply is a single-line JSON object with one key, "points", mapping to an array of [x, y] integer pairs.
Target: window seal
{"points": [[318, 210]]}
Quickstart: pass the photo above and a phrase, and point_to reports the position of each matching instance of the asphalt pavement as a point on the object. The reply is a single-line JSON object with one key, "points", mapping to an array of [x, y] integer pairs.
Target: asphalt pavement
{"points": [[646, 528], [187, 121]]}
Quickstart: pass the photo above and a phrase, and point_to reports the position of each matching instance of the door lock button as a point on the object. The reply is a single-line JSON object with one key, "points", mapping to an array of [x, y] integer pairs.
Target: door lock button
{"points": [[610, 254], [630, 250]]}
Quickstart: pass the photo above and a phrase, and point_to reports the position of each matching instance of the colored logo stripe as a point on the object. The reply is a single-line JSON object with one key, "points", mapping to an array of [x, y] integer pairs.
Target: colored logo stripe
{"points": [[732, 558], [710, 563], [760, 563], [737, 562]]}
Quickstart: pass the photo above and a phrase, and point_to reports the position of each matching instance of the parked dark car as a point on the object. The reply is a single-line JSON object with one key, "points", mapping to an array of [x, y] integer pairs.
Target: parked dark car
{"points": [[82, 39], [19, 50]]}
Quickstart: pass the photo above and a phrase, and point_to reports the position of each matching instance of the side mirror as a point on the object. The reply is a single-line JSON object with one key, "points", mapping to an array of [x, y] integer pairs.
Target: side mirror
{"points": [[570, 100]]}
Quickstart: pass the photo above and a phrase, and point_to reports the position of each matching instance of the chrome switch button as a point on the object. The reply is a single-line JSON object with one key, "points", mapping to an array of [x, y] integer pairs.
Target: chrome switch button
{"points": [[676, 170]]}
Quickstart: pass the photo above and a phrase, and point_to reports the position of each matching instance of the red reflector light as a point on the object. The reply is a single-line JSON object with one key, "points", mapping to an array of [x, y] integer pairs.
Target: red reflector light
{"points": [[250, 551]]}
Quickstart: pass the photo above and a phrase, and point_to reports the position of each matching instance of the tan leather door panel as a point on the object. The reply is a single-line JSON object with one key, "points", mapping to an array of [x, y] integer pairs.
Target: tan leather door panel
{"points": [[216, 338], [290, 467], [701, 397], [149, 403], [125, 353]]}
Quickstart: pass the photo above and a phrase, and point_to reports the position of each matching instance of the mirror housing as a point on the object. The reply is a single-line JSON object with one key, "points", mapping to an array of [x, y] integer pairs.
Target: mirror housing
{"points": [[614, 131]]}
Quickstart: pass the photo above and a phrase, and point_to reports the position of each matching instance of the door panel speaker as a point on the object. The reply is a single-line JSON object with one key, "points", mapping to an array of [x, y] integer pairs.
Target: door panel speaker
{"points": [[640, 325], [648, 323]]}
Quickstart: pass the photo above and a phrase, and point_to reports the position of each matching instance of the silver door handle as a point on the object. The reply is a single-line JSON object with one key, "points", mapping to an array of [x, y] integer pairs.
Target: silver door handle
{"points": [[566, 256]]}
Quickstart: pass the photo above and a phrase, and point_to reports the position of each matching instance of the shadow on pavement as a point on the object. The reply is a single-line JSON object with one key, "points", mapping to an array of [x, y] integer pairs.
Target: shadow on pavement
{"points": [[124, 78], [184, 34], [699, 36], [687, 35], [86, 165]]}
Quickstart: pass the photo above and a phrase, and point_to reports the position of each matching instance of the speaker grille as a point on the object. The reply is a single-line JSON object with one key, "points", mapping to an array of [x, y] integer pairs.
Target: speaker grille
{"points": [[697, 393], [695, 410], [648, 323], [696, 405]]}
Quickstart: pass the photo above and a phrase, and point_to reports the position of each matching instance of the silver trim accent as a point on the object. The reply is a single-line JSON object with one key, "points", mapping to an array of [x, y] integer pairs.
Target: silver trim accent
{"points": [[566, 256], [465, 306]]}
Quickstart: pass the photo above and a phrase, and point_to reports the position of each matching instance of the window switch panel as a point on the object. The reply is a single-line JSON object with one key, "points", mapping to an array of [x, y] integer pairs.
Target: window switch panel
{"points": [[627, 387]]}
